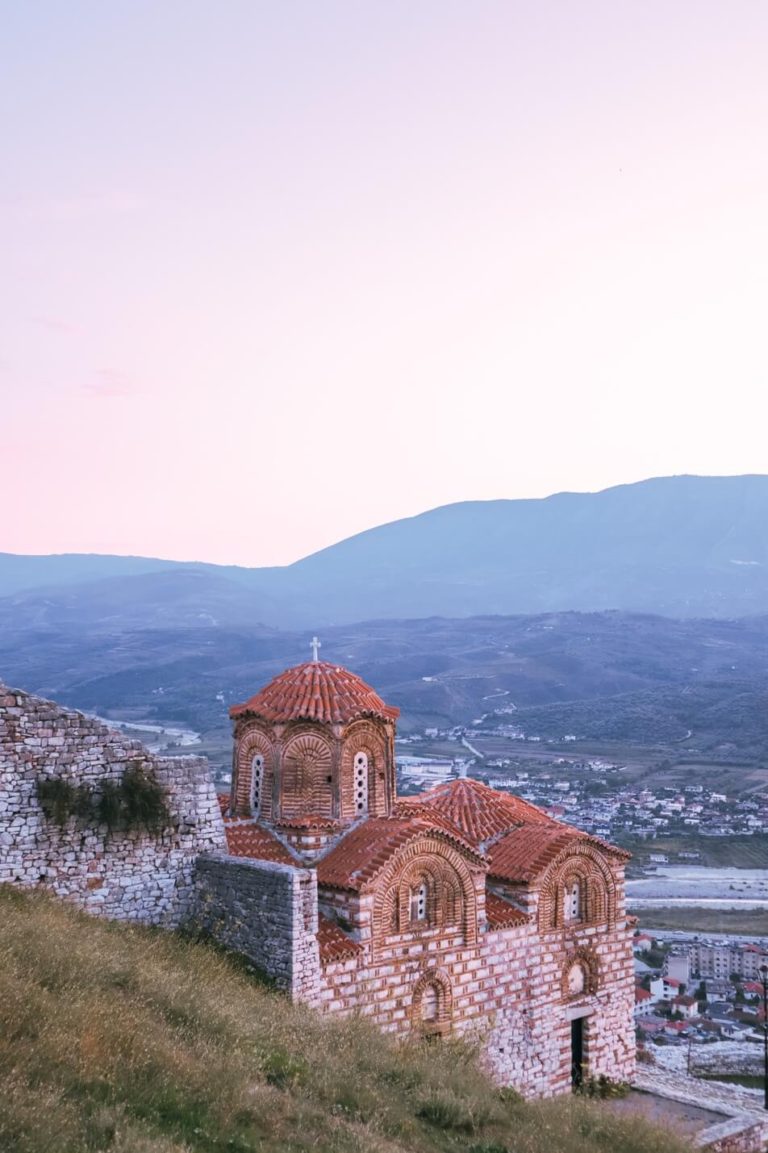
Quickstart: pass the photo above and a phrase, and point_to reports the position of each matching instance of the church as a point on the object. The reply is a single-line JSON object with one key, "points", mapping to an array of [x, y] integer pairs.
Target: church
{"points": [[462, 911]]}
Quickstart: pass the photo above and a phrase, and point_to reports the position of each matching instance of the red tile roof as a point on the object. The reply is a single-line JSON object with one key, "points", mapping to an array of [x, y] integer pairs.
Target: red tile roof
{"points": [[247, 839], [518, 839], [641, 994], [335, 945], [500, 914], [360, 855], [480, 812], [316, 691], [521, 854]]}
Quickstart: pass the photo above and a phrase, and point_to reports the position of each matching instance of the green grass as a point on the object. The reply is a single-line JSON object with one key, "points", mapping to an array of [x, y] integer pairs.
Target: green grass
{"points": [[128, 1040], [689, 919], [723, 852], [747, 1080]]}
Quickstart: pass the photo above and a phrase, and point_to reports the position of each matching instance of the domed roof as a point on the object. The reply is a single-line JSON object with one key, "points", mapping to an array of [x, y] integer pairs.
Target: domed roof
{"points": [[316, 691]]}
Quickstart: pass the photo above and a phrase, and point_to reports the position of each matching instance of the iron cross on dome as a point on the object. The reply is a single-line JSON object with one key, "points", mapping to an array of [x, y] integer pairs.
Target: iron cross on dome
{"points": [[315, 644]]}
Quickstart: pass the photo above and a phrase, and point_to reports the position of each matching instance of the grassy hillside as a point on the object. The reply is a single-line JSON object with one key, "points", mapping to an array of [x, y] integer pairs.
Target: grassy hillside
{"points": [[137, 1041]]}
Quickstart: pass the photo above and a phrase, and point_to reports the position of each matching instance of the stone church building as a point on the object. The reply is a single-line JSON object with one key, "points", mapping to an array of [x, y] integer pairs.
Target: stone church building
{"points": [[461, 911]]}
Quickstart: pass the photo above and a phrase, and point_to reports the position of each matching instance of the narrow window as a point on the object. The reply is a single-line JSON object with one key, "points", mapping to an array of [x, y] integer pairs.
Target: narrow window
{"points": [[257, 781], [573, 901], [419, 902], [361, 784]]}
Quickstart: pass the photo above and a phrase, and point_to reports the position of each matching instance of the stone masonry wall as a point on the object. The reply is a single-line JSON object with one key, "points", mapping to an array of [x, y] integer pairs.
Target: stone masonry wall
{"points": [[267, 912], [125, 875]]}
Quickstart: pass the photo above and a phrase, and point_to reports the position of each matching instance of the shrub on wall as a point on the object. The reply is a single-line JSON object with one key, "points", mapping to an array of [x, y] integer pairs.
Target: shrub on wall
{"points": [[58, 798], [143, 799], [136, 801]]}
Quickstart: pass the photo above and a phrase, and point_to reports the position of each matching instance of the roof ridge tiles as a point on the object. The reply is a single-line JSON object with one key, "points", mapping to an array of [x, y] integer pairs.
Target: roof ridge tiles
{"points": [[481, 814]]}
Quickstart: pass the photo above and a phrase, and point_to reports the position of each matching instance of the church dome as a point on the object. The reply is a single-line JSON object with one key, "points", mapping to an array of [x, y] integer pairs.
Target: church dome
{"points": [[316, 691]]}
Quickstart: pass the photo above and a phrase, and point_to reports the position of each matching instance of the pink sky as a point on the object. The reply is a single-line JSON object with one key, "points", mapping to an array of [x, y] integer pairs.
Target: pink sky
{"points": [[274, 273]]}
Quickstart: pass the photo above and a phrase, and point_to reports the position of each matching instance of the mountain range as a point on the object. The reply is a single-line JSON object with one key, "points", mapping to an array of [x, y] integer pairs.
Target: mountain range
{"points": [[684, 546], [639, 613]]}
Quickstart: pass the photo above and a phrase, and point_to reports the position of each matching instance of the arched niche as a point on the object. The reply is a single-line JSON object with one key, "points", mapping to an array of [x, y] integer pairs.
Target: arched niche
{"points": [[427, 886], [254, 758], [581, 974], [432, 1003], [578, 889], [306, 776], [366, 739]]}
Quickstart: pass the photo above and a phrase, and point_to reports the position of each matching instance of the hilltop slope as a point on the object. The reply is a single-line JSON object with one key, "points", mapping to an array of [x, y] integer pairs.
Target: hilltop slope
{"points": [[136, 1041]]}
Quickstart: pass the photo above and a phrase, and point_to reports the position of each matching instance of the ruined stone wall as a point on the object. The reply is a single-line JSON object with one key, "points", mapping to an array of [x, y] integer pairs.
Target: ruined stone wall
{"points": [[267, 912], [740, 1124], [129, 875], [509, 989]]}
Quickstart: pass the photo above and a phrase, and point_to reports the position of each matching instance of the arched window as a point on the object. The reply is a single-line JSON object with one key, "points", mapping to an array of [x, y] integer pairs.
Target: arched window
{"points": [[573, 906], [361, 784], [257, 782], [419, 903]]}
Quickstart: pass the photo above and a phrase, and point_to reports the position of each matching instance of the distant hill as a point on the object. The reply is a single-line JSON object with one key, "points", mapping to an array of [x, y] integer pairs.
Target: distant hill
{"points": [[678, 546], [604, 675]]}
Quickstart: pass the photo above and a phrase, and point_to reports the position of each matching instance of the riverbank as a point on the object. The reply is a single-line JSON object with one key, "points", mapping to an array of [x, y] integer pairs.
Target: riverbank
{"points": [[692, 919], [157, 738]]}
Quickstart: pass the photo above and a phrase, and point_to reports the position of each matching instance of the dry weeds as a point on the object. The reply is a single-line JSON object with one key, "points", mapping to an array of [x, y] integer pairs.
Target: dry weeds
{"points": [[130, 1040]]}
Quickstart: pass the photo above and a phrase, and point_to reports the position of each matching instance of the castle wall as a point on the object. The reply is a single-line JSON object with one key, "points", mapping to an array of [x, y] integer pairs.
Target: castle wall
{"points": [[129, 875], [267, 912], [508, 990]]}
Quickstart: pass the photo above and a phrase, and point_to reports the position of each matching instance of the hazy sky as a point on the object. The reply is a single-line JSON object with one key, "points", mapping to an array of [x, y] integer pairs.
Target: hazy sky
{"points": [[275, 272]]}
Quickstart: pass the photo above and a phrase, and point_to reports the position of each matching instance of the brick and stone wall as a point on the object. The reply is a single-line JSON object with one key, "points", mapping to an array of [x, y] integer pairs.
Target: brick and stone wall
{"points": [[309, 768], [509, 989], [267, 912], [128, 875]]}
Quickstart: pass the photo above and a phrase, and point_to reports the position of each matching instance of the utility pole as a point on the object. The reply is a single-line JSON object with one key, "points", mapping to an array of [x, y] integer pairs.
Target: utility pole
{"points": [[764, 979]]}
